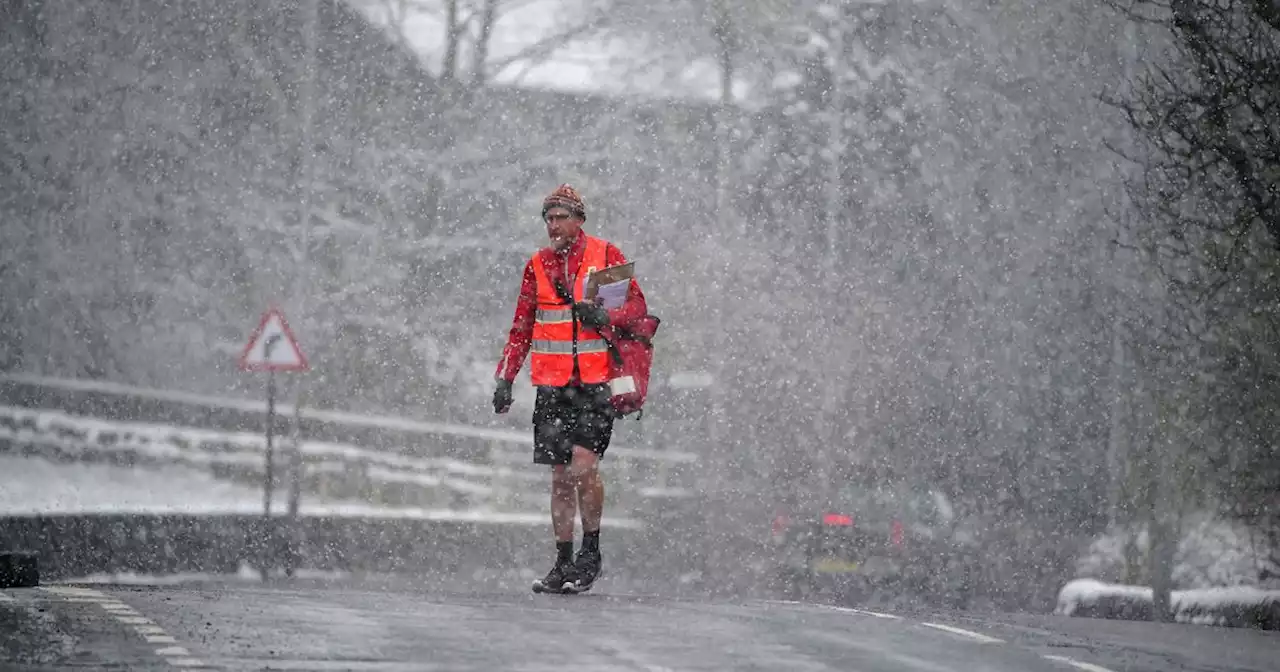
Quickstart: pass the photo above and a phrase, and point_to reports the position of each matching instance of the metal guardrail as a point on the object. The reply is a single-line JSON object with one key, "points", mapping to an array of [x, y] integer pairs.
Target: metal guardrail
{"points": [[341, 451], [13, 385]]}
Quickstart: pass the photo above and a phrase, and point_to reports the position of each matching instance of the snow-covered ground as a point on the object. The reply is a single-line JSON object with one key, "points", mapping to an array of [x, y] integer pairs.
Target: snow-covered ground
{"points": [[166, 469], [504, 482], [32, 486], [73, 435]]}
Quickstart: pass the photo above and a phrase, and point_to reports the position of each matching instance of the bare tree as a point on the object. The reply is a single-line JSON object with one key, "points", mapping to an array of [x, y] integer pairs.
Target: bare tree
{"points": [[1207, 113], [468, 32]]}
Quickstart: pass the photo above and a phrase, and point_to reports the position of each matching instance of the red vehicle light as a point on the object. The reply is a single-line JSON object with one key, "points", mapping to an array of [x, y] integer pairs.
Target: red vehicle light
{"points": [[837, 519], [897, 534]]}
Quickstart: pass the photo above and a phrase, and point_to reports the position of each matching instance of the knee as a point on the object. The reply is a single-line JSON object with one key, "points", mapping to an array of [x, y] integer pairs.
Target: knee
{"points": [[562, 479], [585, 465]]}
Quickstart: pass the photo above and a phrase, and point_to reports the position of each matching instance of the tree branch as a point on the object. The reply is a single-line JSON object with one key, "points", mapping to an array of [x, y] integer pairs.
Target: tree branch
{"points": [[547, 46]]}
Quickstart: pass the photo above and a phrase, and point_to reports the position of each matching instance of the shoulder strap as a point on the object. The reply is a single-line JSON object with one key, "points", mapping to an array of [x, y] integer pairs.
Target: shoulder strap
{"points": [[568, 298], [557, 282], [621, 332], [562, 290]]}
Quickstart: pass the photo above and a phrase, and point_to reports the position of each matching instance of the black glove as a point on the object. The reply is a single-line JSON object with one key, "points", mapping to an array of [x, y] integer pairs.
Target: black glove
{"points": [[502, 397], [591, 315]]}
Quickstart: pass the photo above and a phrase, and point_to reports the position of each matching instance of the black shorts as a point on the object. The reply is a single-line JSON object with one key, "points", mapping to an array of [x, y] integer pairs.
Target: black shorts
{"points": [[564, 417]]}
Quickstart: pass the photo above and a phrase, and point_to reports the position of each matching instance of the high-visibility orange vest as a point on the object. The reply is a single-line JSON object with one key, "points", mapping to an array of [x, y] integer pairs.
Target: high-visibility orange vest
{"points": [[558, 339]]}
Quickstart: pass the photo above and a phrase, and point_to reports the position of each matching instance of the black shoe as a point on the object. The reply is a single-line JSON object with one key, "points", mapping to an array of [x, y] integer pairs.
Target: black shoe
{"points": [[555, 580], [586, 569]]}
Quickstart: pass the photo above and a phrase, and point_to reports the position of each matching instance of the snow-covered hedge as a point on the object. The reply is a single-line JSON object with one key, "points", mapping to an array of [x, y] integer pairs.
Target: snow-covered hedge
{"points": [[1224, 574], [1234, 606], [1212, 552]]}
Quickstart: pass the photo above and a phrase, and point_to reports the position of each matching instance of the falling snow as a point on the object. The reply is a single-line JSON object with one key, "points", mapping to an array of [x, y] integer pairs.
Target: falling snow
{"points": [[943, 245]]}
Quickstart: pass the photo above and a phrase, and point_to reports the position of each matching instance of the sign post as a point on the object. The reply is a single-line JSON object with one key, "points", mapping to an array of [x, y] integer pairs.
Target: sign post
{"points": [[272, 347]]}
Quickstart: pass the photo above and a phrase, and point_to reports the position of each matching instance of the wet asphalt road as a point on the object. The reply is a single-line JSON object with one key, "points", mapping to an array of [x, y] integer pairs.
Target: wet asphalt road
{"points": [[350, 625]]}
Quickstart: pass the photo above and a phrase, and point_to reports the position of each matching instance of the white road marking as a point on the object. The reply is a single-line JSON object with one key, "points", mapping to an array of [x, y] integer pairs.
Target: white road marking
{"points": [[175, 655], [833, 607], [6, 598], [1079, 664], [71, 594], [120, 613], [977, 636], [864, 612], [72, 591]]}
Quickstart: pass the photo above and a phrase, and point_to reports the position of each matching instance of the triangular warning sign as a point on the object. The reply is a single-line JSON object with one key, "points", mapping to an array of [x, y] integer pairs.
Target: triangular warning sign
{"points": [[272, 346]]}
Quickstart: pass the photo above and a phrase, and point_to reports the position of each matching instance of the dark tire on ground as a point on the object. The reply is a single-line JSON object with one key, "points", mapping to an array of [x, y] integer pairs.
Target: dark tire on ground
{"points": [[788, 584], [19, 570]]}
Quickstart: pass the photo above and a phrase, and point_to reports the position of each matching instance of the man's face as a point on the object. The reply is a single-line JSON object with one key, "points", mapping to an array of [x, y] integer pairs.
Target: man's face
{"points": [[562, 227]]}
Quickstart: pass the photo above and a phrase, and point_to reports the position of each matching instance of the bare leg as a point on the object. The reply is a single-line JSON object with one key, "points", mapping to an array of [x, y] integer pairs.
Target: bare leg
{"points": [[563, 502], [585, 472]]}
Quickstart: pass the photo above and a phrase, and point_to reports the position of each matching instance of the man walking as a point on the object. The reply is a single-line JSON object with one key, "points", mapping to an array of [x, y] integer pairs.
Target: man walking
{"points": [[570, 367]]}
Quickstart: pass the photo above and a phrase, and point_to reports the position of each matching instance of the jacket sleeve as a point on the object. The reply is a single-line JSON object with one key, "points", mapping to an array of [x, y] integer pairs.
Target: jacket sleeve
{"points": [[519, 339], [635, 306]]}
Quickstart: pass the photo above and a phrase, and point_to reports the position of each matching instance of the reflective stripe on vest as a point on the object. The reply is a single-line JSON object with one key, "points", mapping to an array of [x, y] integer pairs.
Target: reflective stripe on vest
{"points": [[566, 348], [557, 339], [554, 315]]}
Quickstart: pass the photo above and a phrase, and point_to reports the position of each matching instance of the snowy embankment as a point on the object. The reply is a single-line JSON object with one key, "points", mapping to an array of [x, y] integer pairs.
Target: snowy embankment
{"points": [[35, 486], [1224, 574], [54, 462], [239, 456]]}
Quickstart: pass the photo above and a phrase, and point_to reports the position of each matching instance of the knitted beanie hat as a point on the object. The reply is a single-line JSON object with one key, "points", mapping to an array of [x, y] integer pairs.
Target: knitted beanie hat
{"points": [[565, 197]]}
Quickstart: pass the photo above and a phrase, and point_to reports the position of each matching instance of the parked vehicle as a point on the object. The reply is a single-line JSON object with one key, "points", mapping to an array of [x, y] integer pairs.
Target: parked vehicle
{"points": [[875, 538]]}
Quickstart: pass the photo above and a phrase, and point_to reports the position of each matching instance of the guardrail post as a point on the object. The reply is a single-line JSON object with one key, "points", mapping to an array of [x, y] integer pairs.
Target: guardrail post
{"points": [[296, 464], [498, 490]]}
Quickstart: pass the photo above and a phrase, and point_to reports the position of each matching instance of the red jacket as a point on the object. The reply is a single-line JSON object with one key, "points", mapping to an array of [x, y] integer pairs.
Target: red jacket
{"points": [[518, 340]]}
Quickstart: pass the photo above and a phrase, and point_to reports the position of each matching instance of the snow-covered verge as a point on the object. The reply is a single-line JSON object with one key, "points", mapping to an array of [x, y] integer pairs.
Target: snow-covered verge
{"points": [[1225, 573], [375, 477], [35, 486], [55, 463], [1234, 606]]}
